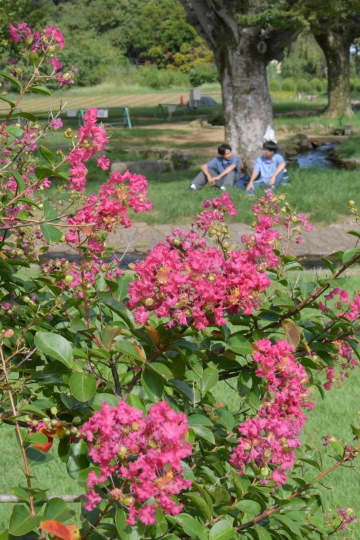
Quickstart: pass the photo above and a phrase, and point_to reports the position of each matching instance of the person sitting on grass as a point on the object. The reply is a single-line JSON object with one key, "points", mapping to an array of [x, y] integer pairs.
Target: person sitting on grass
{"points": [[269, 170], [219, 171]]}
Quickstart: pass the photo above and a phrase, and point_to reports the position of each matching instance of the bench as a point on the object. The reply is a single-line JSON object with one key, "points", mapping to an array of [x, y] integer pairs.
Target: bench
{"points": [[169, 107], [102, 113]]}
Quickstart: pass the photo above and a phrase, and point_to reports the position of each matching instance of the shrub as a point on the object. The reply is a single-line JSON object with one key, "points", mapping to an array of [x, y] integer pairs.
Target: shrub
{"points": [[318, 85], [203, 74], [153, 77], [275, 85], [355, 85], [303, 85], [288, 85]]}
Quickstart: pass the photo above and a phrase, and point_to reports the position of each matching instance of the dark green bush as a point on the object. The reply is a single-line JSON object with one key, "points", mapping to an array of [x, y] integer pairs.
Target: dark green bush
{"points": [[203, 74], [288, 84]]}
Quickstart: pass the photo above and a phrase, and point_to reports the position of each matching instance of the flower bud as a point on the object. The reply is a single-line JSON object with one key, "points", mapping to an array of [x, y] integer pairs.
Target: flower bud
{"points": [[54, 411], [76, 420]]}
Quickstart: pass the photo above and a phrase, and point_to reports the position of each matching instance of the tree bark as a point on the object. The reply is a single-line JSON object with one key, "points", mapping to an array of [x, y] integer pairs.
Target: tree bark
{"points": [[241, 54], [246, 98], [336, 48]]}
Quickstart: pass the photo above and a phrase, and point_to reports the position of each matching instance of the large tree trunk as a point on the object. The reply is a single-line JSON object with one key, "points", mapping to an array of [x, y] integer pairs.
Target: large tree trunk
{"points": [[246, 98], [336, 48]]}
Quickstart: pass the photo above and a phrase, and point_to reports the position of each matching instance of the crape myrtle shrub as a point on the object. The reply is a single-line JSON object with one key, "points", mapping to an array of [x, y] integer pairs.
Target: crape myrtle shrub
{"points": [[120, 369]]}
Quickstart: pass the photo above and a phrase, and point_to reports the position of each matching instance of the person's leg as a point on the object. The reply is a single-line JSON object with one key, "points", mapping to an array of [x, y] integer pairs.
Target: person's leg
{"points": [[226, 181], [242, 181], [282, 178], [200, 180]]}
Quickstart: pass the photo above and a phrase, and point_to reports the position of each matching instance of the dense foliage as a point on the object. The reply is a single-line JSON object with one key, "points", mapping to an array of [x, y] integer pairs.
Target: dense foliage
{"points": [[122, 367]]}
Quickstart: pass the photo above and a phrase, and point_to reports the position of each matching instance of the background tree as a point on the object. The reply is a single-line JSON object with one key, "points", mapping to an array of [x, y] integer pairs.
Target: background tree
{"points": [[163, 37], [335, 24], [245, 37]]}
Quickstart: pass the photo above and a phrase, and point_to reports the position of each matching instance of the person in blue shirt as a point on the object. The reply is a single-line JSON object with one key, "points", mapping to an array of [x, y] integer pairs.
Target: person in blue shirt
{"points": [[269, 170], [219, 171]]}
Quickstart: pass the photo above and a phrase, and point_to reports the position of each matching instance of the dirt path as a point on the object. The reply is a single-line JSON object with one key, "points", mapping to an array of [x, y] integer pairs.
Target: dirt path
{"points": [[321, 242]]}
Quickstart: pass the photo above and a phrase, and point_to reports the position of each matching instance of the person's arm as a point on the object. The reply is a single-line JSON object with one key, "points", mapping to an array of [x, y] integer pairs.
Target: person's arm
{"points": [[280, 168], [252, 180], [205, 170], [225, 171]]}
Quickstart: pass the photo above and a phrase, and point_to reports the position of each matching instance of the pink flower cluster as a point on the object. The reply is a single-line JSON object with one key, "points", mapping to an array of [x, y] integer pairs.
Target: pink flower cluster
{"points": [[23, 33], [91, 139], [142, 456], [349, 309], [347, 517], [269, 440], [191, 283], [214, 211], [109, 207]]}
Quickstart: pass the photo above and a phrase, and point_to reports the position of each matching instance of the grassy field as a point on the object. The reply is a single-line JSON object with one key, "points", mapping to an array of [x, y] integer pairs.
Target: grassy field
{"points": [[331, 415], [323, 194]]}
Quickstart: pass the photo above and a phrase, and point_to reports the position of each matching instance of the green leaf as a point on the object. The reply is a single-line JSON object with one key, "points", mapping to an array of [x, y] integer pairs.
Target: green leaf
{"points": [[199, 503], [56, 347], [239, 345], [204, 433], [39, 89], [289, 524], [52, 234], [21, 521], [99, 399], [26, 115], [161, 369], [43, 172], [191, 527], [12, 79], [82, 386], [209, 379], [15, 131], [48, 155], [56, 509], [37, 438], [128, 349], [125, 531], [153, 384], [226, 419], [222, 530], [199, 420], [34, 410], [262, 533], [350, 254], [11, 103], [249, 507], [123, 286], [183, 387], [19, 180], [78, 459]]}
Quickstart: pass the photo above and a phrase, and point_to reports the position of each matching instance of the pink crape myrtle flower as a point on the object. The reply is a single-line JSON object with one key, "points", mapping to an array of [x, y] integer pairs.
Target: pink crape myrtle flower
{"points": [[19, 32], [191, 283], [56, 123], [55, 63], [269, 439], [156, 445], [108, 208], [55, 34], [103, 162]]}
